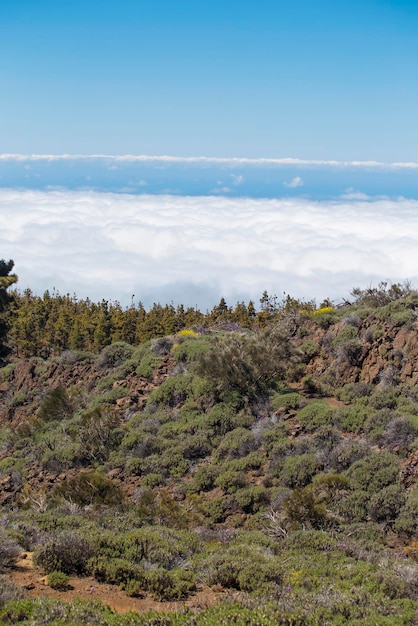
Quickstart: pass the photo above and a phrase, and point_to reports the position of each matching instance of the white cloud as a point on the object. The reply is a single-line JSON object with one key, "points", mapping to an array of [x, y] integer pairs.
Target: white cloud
{"points": [[233, 161], [196, 249], [237, 180], [294, 183]]}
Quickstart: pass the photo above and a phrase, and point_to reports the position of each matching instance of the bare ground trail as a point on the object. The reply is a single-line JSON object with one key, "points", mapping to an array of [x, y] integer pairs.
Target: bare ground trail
{"points": [[25, 575]]}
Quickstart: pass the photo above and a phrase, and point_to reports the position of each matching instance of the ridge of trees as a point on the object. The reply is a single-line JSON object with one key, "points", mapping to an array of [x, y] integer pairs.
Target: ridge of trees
{"points": [[49, 324]]}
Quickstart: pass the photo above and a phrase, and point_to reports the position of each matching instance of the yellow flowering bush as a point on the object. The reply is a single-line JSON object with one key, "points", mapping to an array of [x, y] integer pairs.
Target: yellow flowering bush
{"points": [[324, 309], [187, 334]]}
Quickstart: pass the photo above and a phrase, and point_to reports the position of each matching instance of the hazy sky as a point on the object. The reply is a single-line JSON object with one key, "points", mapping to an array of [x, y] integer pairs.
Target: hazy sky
{"points": [[302, 116], [255, 78]]}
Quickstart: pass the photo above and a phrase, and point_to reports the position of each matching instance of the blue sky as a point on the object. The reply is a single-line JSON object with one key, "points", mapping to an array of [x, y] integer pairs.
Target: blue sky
{"points": [[266, 78], [282, 144]]}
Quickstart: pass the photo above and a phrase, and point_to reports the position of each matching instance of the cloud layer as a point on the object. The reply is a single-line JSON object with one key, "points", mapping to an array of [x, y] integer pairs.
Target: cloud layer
{"points": [[196, 249], [232, 161]]}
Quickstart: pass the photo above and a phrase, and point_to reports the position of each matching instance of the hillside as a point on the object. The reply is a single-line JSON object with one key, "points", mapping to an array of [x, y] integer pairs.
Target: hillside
{"points": [[270, 469]]}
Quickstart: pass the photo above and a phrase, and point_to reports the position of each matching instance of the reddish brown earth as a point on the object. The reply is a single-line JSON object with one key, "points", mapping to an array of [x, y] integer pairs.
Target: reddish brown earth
{"points": [[25, 575]]}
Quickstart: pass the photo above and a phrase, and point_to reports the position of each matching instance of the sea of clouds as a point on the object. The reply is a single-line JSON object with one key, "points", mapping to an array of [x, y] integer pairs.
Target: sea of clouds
{"points": [[195, 249]]}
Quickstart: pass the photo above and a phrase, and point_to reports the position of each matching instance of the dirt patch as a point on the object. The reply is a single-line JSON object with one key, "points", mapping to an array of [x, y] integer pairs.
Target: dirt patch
{"points": [[25, 575], [333, 402]]}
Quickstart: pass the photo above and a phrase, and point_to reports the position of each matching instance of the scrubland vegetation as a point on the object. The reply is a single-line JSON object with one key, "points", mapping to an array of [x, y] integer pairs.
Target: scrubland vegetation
{"points": [[270, 455]]}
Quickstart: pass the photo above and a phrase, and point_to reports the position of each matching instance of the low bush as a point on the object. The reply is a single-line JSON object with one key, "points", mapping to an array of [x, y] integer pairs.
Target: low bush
{"points": [[287, 400], [67, 552], [89, 488], [386, 504], [174, 585], [9, 591], [252, 499], [115, 354], [298, 470], [315, 414], [230, 480], [9, 550], [310, 349], [352, 419], [58, 580], [56, 405], [205, 476], [345, 454], [248, 363], [115, 571], [406, 523], [302, 509], [147, 365], [375, 471], [235, 444], [354, 506]]}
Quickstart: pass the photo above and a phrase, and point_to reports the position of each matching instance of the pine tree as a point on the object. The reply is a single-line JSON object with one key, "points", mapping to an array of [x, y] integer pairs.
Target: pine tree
{"points": [[6, 280]]}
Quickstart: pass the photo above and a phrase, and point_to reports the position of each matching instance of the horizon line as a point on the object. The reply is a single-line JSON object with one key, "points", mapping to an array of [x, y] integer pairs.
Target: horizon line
{"points": [[286, 161]]}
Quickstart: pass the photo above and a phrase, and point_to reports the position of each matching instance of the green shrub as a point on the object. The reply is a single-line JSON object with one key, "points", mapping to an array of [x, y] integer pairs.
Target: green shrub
{"points": [[148, 364], [310, 349], [298, 470], [67, 552], [406, 523], [326, 319], [58, 580], [248, 363], [347, 333], [235, 444], [115, 571], [190, 351], [99, 433], [152, 480], [287, 400], [230, 480], [56, 405], [197, 446], [345, 454], [107, 398], [173, 391], [205, 476], [246, 568], [134, 588], [89, 488], [9, 550], [351, 391], [353, 507], [386, 504], [315, 414], [386, 398], [221, 419], [374, 472], [173, 585], [115, 354], [377, 421], [19, 399], [352, 418], [216, 510], [252, 499]]}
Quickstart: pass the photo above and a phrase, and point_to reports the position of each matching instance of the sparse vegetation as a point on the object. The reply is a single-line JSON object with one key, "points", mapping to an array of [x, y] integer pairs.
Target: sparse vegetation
{"points": [[272, 455]]}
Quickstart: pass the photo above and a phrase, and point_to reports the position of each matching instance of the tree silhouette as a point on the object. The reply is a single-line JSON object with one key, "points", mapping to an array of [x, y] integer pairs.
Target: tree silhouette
{"points": [[6, 280]]}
